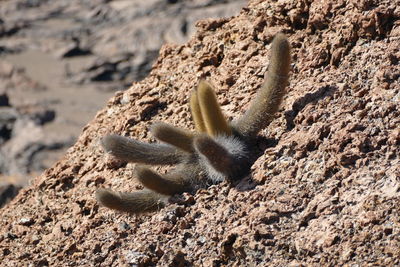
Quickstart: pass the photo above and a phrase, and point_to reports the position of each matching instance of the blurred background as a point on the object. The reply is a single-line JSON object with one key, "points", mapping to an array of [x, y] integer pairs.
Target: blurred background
{"points": [[61, 60]]}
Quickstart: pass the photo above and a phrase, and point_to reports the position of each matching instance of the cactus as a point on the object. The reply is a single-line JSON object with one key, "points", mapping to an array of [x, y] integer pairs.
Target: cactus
{"points": [[218, 150]]}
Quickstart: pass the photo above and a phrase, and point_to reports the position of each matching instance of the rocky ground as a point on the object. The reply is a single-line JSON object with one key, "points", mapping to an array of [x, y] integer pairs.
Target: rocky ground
{"points": [[61, 60], [325, 192]]}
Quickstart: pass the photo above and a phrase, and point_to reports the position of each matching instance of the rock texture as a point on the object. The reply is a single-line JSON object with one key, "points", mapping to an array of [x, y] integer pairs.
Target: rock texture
{"points": [[62, 60], [118, 39], [325, 192]]}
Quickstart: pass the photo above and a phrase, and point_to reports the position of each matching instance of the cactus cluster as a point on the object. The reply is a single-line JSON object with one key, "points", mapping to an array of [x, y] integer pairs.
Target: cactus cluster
{"points": [[218, 150]]}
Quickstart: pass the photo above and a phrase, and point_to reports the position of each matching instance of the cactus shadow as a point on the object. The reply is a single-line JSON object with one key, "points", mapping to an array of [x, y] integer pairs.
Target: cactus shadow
{"points": [[260, 145]]}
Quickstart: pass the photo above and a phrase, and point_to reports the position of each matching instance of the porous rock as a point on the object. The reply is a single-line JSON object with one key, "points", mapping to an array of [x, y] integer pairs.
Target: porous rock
{"points": [[328, 186]]}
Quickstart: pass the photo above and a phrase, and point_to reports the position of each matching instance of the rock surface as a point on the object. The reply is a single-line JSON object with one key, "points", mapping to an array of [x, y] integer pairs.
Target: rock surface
{"points": [[61, 60], [325, 192], [22, 139]]}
